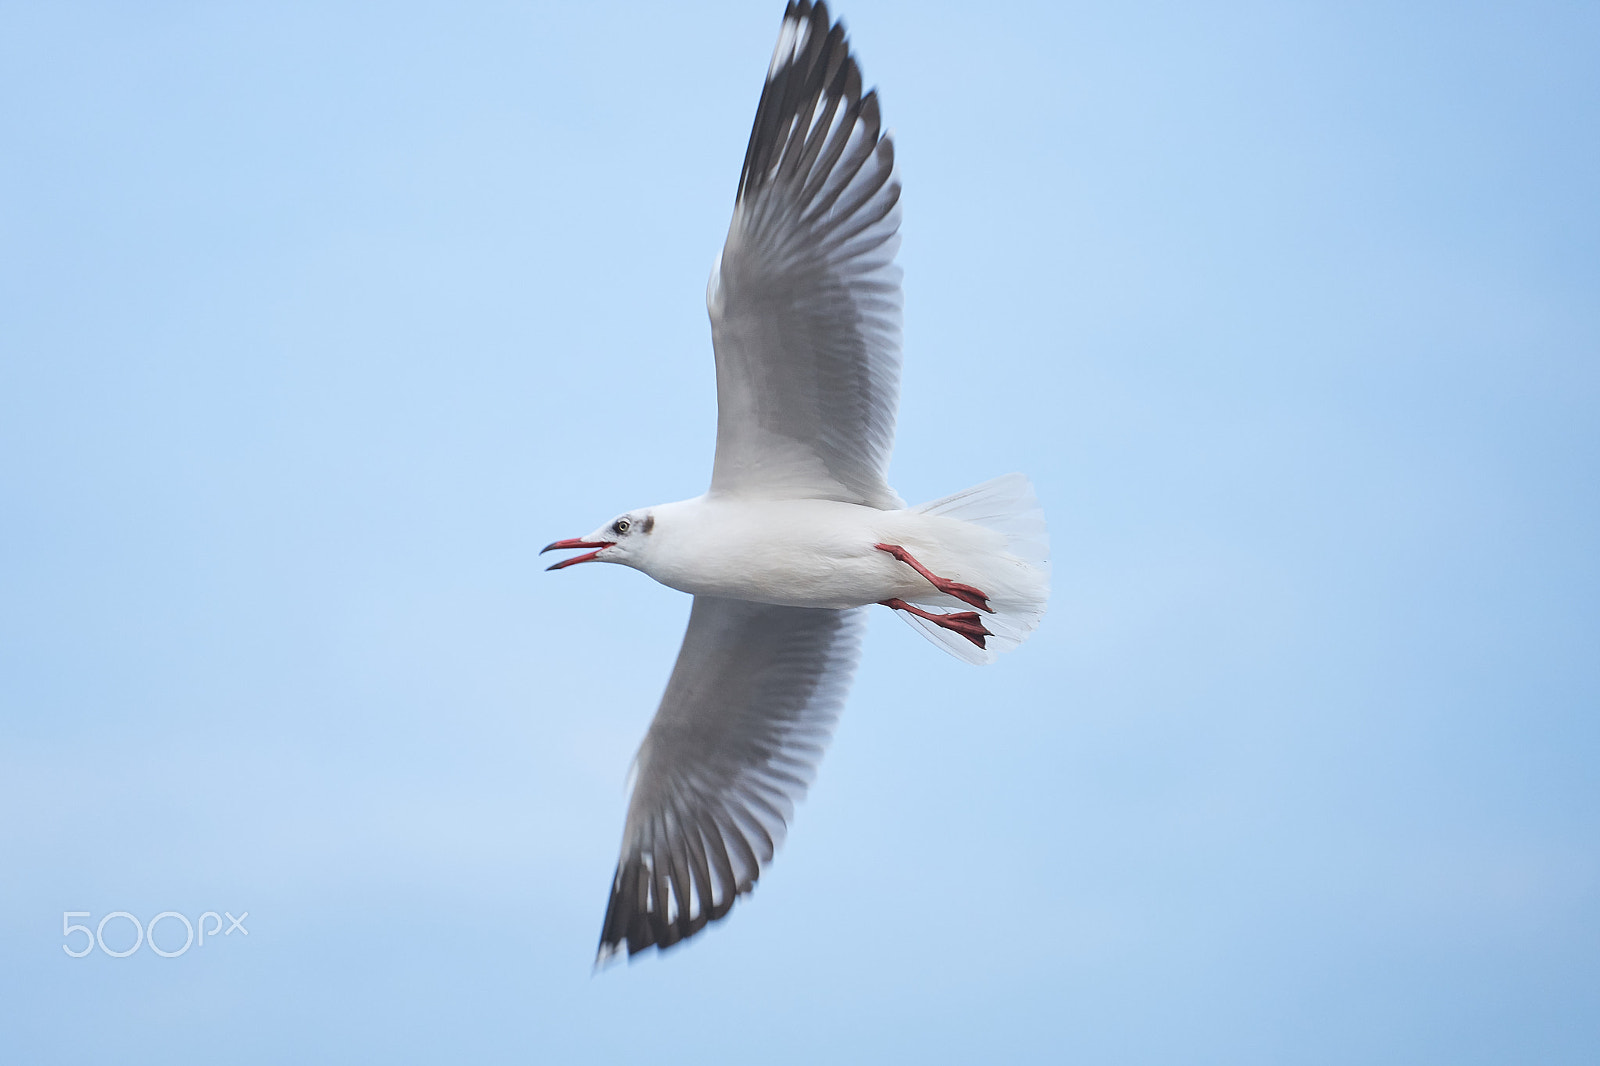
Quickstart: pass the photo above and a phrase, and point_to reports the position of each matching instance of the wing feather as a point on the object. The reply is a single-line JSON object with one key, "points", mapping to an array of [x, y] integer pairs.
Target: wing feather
{"points": [[747, 713], [805, 298]]}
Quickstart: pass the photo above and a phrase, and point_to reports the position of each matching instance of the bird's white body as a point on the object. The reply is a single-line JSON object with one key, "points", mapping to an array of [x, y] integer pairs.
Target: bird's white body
{"points": [[806, 553], [821, 553], [829, 554]]}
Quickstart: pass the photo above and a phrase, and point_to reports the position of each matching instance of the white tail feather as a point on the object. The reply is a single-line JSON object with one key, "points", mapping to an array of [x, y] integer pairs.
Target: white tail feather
{"points": [[1016, 577]]}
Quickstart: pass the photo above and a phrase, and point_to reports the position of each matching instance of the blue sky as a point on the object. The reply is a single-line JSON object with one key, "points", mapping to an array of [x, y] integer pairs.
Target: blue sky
{"points": [[316, 321]]}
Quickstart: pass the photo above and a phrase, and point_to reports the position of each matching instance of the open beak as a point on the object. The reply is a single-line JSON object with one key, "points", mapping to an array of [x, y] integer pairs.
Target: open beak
{"points": [[598, 545]]}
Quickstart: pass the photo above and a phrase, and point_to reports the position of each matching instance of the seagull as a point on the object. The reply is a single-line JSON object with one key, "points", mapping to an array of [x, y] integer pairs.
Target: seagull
{"points": [[799, 532]]}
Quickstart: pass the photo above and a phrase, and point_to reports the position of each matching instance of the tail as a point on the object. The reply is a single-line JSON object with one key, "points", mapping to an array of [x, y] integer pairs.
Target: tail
{"points": [[1005, 552]]}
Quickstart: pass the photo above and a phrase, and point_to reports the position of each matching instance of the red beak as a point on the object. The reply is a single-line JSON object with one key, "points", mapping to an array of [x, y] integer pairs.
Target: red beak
{"points": [[598, 545]]}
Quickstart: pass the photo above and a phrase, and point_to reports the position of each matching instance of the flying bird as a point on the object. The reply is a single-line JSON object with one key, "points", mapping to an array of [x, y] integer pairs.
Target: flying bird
{"points": [[799, 532]]}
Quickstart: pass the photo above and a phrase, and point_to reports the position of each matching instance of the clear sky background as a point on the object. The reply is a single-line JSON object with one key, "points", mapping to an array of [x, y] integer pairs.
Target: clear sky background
{"points": [[317, 321]]}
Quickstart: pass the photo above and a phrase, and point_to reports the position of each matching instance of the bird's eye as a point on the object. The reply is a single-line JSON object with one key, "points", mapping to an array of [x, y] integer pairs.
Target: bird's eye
{"points": [[621, 526]]}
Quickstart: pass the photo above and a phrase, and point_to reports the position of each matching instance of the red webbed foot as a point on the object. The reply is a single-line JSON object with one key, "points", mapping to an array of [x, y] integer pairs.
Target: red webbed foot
{"points": [[965, 593], [966, 623]]}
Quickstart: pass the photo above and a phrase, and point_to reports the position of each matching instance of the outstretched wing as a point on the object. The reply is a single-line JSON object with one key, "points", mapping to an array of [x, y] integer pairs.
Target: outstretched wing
{"points": [[750, 706], [805, 298]]}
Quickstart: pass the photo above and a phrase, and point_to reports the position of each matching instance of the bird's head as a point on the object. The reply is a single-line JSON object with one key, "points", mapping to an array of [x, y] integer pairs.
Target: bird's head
{"points": [[622, 540]]}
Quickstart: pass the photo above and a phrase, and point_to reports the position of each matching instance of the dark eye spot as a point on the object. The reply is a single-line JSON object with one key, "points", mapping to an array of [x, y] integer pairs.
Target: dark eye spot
{"points": [[620, 526]]}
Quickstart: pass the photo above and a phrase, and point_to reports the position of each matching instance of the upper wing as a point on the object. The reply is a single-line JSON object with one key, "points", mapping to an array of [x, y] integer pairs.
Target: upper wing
{"points": [[805, 299], [750, 706]]}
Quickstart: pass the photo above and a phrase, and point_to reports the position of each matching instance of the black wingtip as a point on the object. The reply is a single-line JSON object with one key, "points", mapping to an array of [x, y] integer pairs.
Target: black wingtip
{"points": [[794, 78], [639, 916]]}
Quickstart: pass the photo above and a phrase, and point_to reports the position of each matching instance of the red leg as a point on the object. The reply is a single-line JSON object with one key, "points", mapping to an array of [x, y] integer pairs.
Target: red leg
{"points": [[964, 593], [966, 623]]}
